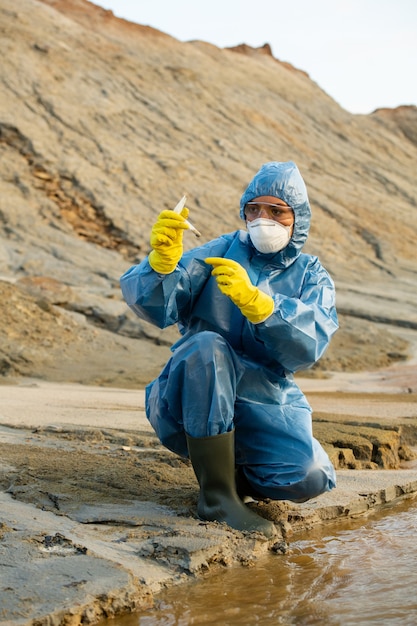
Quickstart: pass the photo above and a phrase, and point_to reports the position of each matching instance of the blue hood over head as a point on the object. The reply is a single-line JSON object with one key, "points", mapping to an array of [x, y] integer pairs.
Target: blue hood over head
{"points": [[283, 181]]}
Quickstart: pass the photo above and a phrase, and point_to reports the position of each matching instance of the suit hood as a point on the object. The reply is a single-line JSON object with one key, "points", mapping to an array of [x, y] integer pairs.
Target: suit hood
{"points": [[284, 181]]}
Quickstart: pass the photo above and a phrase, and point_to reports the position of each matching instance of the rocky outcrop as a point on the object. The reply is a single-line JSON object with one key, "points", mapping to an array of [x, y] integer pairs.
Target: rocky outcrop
{"points": [[352, 445], [402, 119], [104, 123]]}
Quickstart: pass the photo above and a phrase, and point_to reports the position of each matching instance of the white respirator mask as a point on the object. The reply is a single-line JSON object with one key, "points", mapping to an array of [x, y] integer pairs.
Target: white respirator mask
{"points": [[268, 236]]}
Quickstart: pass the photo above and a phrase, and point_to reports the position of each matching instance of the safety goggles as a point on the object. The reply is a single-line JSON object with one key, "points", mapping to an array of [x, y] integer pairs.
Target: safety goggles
{"points": [[277, 212]]}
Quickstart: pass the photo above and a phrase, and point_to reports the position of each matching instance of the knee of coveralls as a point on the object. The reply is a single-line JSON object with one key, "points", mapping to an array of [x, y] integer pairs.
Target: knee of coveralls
{"points": [[281, 485], [276, 450], [196, 391], [315, 483]]}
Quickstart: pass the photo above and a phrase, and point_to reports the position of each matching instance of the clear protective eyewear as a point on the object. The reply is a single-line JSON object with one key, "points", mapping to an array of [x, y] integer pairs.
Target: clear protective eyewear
{"points": [[277, 212]]}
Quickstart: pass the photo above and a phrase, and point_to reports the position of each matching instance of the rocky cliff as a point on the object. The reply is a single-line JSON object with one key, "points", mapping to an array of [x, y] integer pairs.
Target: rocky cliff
{"points": [[103, 123]]}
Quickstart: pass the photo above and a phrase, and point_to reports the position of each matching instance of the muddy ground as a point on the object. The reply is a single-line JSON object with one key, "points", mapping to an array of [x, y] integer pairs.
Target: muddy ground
{"points": [[96, 517], [54, 466], [91, 500]]}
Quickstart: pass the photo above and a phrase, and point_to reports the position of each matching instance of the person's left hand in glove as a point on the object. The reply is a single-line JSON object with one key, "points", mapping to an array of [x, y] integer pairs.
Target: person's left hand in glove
{"points": [[233, 280]]}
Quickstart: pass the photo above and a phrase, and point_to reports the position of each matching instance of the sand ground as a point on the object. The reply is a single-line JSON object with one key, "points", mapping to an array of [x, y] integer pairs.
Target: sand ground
{"points": [[91, 501]]}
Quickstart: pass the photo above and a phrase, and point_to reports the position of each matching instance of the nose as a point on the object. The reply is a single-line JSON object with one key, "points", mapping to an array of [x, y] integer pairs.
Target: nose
{"points": [[263, 212]]}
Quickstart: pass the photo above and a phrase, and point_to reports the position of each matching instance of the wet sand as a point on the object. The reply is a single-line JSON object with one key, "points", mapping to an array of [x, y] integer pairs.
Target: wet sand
{"points": [[96, 517]]}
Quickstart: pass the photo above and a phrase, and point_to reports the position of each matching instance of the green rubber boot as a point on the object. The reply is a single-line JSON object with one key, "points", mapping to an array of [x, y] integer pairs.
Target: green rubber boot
{"points": [[213, 461]]}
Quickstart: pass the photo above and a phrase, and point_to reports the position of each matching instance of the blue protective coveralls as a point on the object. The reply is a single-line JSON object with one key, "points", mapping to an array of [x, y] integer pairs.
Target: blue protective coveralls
{"points": [[225, 372]]}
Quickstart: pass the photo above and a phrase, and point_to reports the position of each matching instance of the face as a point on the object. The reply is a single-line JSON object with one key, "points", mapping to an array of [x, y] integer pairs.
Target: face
{"points": [[271, 208]]}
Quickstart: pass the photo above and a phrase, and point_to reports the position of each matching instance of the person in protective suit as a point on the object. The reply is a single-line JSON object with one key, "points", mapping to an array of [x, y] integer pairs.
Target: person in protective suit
{"points": [[252, 309]]}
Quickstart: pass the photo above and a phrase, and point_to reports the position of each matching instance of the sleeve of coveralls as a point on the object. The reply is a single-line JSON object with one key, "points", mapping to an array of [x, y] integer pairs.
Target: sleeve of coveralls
{"points": [[164, 299], [300, 329]]}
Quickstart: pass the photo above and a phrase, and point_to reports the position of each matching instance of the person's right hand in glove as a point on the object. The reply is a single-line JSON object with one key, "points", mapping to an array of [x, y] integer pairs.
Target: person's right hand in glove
{"points": [[166, 241]]}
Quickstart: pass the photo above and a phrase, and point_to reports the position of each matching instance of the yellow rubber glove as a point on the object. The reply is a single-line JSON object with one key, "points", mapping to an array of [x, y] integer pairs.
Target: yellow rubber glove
{"points": [[166, 241], [233, 280]]}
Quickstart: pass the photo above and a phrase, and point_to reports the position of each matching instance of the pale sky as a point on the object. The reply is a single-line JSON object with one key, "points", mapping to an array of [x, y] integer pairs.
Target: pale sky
{"points": [[363, 53]]}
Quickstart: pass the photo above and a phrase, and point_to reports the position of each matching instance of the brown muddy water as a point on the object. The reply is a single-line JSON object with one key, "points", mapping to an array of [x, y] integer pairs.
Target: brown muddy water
{"points": [[363, 572]]}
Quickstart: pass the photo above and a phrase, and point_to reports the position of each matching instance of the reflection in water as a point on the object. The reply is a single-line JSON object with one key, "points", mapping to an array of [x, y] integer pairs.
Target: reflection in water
{"points": [[358, 574]]}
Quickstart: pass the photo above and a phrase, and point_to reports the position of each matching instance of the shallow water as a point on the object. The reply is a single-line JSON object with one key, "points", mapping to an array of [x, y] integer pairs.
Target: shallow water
{"points": [[364, 572]]}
